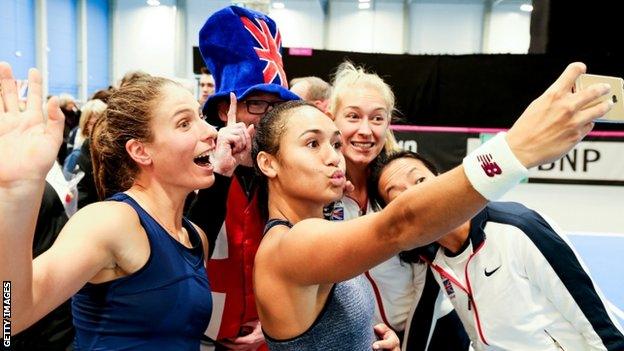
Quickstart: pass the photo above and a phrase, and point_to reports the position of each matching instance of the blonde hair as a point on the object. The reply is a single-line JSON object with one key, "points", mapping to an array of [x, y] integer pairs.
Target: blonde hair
{"points": [[92, 109], [348, 76], [391, 145]]}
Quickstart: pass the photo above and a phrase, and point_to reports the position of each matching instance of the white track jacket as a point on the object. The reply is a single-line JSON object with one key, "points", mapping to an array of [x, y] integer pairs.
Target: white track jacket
{"points": [[519, 285]]}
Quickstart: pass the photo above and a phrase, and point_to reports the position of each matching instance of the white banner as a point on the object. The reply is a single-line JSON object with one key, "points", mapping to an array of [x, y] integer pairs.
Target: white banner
{"points": [[588, 161]]}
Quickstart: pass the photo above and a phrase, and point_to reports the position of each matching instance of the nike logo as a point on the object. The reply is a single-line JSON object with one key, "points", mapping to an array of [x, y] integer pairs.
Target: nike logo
{"points": [[487, 274]]}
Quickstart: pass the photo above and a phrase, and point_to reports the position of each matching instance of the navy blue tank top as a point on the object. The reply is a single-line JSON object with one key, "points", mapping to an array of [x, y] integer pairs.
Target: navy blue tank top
{"points": [[165, 305]]}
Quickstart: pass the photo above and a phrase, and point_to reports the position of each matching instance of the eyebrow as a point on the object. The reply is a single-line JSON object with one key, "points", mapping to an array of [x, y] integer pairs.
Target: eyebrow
{"points": [[182, 110], [318, 131], [376, 109], [411, 171]]}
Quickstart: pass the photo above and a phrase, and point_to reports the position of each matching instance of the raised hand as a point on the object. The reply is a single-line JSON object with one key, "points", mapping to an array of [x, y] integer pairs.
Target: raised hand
{"points": [[233, 143], [557, 120], [29, 144]]}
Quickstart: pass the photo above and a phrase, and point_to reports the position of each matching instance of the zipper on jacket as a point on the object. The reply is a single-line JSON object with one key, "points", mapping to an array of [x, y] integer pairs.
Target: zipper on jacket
{"points": [[467, 289], [554, 340], [470, 296]]}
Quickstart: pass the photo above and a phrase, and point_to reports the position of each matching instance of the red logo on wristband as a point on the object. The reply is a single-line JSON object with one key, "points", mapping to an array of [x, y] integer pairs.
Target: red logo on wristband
{"points": [[489, 167]]}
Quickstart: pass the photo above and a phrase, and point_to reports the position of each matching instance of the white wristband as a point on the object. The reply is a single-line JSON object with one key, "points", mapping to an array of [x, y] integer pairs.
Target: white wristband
{"points": [[493, 169]]}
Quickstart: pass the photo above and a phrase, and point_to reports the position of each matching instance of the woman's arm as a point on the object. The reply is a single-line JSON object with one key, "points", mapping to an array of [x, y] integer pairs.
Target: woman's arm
{"points": [[87, 244], [317, 251], [30, 143]]}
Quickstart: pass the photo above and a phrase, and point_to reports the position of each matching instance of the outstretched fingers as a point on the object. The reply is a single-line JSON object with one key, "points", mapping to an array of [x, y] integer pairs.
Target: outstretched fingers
{"points": [[9, 89], [34, 100], [56, 119]]}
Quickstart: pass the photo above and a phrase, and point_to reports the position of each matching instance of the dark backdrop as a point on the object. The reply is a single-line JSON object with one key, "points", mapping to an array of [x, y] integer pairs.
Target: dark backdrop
{"points": [[459, 90]]}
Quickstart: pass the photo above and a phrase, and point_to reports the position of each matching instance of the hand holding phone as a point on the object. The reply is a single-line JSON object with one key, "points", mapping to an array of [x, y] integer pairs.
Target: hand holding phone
{"points": [[616, 114]]}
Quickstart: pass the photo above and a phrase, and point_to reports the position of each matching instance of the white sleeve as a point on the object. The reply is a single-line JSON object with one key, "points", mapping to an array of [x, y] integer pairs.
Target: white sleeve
{"points": [[552, 264]]}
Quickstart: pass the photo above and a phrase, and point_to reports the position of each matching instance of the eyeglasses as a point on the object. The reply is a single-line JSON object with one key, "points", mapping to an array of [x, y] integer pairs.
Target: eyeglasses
{"points": [[260, 107]]}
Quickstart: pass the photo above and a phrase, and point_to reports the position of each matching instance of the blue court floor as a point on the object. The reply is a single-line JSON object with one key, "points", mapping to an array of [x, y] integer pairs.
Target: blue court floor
{"points": [[604, 256]]}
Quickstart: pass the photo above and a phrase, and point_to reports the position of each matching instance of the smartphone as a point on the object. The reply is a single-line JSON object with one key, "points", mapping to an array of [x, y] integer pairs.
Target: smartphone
{"points": [[616, 114]]}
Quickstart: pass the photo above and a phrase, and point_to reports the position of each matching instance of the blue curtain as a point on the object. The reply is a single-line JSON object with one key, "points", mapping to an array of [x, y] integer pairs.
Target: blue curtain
{"points": [[98, 45], [62, 42], [17, 35]]}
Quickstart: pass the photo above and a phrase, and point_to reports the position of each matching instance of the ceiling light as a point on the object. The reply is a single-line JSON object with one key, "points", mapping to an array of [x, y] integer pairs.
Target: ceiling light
{"points": [[153, 2], [526, 7], [278, 5], [364, 0], [364, 5]]}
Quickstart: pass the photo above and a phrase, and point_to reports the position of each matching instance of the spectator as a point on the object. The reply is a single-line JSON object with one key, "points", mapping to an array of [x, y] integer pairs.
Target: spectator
{"points": [[206, 85], [91, 112], [312, 89], [72, 116]]}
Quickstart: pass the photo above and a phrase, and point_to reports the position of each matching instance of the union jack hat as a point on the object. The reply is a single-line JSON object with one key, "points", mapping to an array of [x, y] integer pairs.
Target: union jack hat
{"points": [[242, 50]]}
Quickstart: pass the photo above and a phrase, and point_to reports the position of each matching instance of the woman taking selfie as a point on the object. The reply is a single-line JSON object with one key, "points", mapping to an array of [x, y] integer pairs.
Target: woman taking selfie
{"points": [[305, 293]]}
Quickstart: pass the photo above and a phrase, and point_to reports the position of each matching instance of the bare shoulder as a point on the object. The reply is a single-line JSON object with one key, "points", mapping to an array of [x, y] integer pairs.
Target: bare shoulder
{"points": [[112, 214], [280, 243], [105, 220], [270, 247]]}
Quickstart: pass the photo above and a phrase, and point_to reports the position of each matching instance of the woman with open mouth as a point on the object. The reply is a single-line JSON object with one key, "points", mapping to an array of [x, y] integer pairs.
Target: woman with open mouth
{"points": [[133, 264]]}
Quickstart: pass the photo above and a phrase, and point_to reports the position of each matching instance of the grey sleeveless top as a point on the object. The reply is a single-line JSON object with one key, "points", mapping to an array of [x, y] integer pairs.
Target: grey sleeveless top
{"points": [[345, 322]]}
